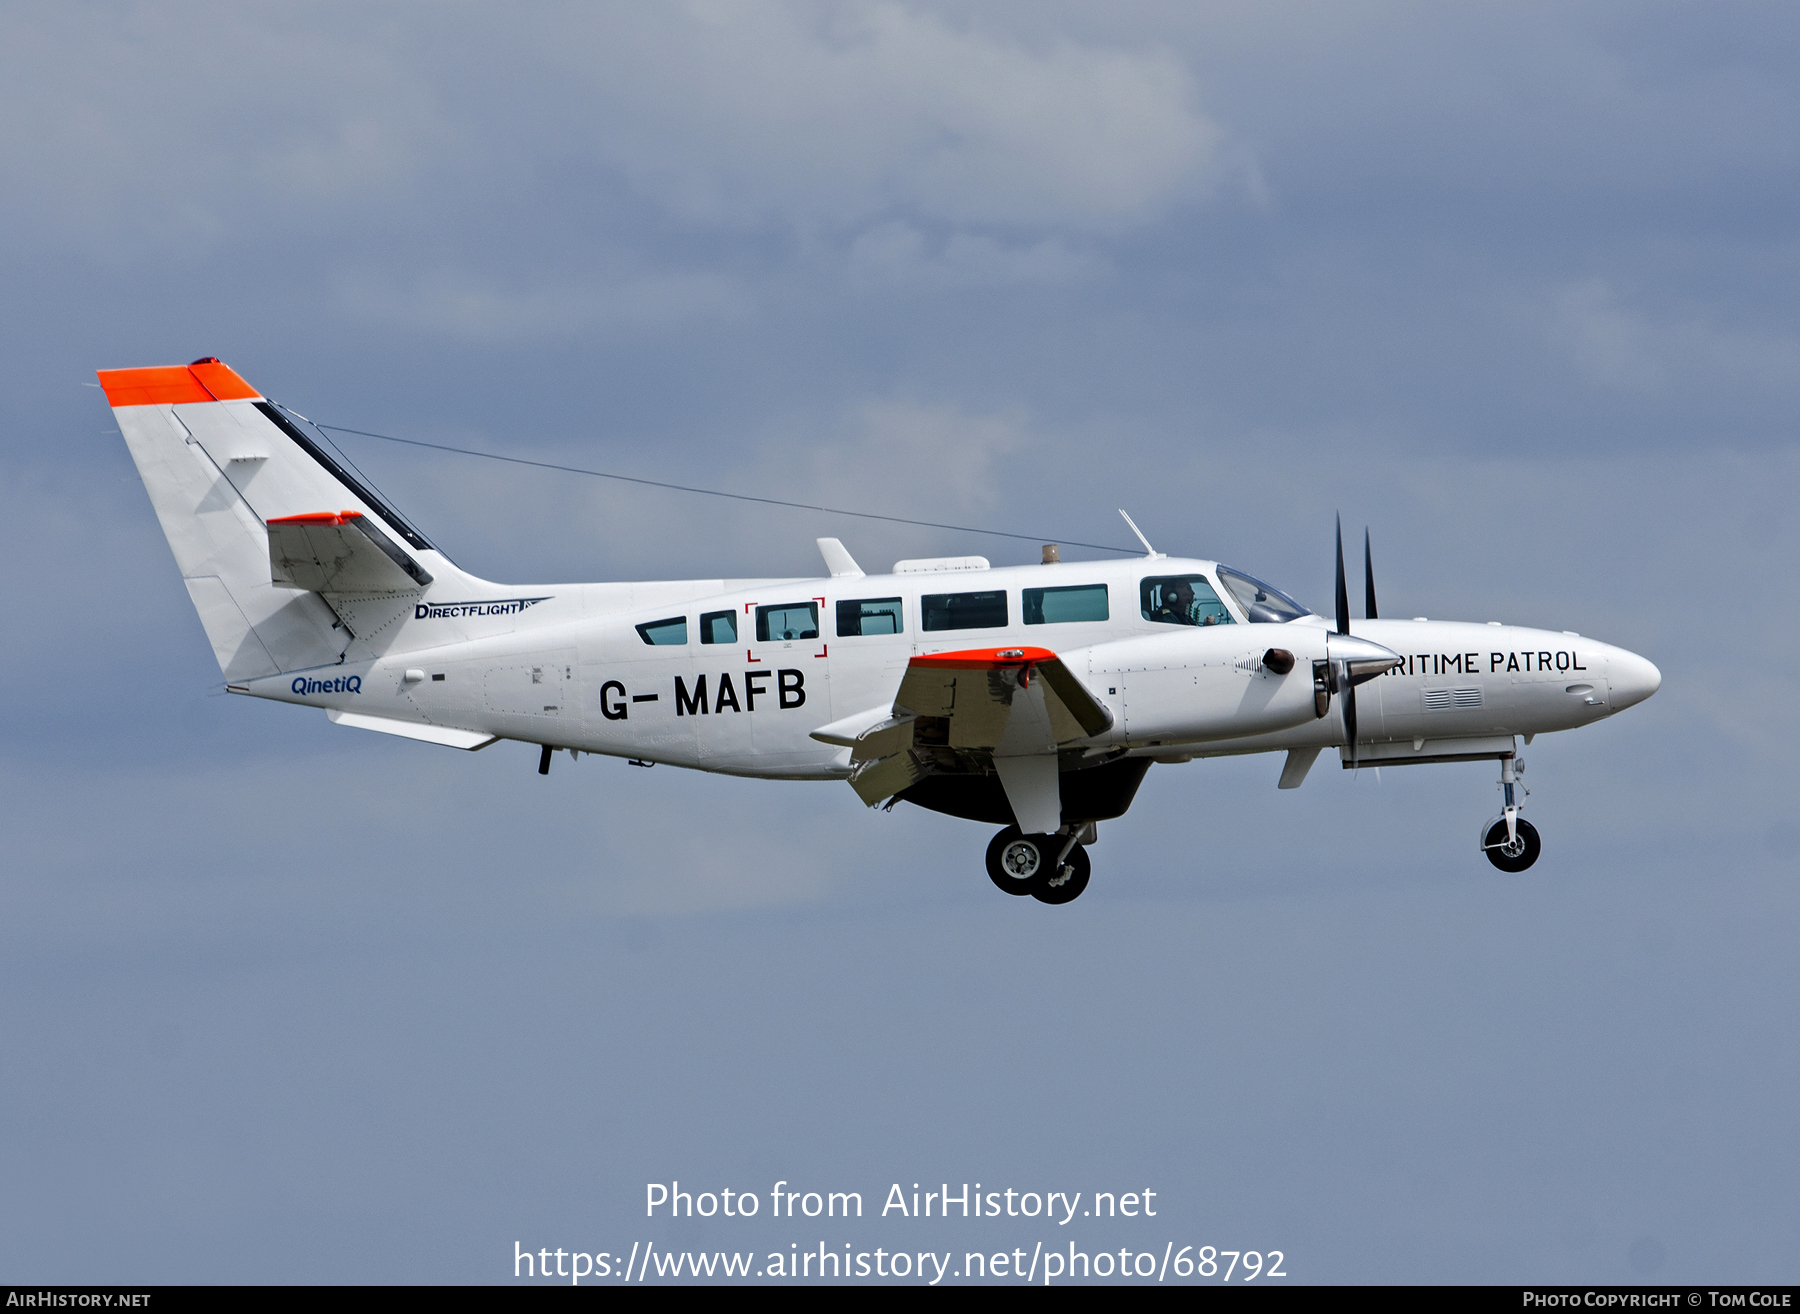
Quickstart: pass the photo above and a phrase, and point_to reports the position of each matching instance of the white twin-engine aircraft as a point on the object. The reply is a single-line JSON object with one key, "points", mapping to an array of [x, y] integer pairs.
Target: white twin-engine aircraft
{"points": [[1033, 698]]}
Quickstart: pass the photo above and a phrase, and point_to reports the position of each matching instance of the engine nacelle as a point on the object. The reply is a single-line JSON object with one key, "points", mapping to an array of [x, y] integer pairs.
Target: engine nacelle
{"points": [[1214, 682]]}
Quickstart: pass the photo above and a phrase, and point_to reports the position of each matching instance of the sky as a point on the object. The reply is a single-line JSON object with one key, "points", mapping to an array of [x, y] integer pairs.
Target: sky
{"points": [[1511, 285]]}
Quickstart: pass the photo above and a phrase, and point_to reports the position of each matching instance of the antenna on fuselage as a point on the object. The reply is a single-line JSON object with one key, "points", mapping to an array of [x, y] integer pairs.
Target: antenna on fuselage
{"points": [[1149, 551]]}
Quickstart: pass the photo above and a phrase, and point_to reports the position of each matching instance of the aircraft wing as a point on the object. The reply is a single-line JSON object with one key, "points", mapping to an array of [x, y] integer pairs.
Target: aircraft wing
{"points": [[1015, 705], [975, 692], [339, 552]]}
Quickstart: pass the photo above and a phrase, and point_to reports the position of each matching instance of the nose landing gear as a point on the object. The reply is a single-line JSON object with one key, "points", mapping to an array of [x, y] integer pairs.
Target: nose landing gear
{"points": [[1516, 853], [1510, 842], [1050, 868]]}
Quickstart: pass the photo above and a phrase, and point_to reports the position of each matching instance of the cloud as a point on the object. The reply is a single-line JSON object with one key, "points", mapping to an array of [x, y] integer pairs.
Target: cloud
{"points": [[779, 112], [1627, 350], [897, 254], [1608, 345], [485, 307], [185, 121]]}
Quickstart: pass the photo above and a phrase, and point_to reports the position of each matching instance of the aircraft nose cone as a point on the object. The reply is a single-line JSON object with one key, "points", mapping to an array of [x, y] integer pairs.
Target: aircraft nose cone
{"points": [[1633, 679]]}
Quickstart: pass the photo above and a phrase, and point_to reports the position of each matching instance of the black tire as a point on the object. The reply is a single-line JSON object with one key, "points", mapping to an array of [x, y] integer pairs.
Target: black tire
{"points": [[1528, 846], [1018, 863], [1080, 868]]}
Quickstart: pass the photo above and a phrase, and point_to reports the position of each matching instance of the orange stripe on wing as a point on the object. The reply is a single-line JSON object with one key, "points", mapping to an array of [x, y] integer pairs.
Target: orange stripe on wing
{"points": [[979, 659], [319, 518]]}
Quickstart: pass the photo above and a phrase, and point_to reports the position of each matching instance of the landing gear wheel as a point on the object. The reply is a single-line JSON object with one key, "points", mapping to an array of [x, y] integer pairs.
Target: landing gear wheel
{"points": [[1077, 867], [1518, 855], [1019, 864]]}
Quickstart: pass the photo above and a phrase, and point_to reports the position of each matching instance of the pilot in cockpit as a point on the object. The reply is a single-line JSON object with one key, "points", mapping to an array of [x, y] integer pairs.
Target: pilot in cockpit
{"points": [[1178, 606]]}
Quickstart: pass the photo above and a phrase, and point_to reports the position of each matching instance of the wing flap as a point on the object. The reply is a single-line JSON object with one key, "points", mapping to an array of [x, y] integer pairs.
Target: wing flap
{"points": [[1017, 704], [974, 690], [876, 780], [894, 735], [877, 733]]}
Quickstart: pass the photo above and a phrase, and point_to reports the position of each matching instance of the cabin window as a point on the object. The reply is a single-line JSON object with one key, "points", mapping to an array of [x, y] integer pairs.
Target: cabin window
{"points": [[863, 616], [964, 611], [718, 627], [790, 620], [1078, 602], [1261, 603], [673, 630], [1181, 600]]}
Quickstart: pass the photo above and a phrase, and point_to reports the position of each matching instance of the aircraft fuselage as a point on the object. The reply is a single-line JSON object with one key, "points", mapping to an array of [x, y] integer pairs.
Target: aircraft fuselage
{"points": [[569, 666]]}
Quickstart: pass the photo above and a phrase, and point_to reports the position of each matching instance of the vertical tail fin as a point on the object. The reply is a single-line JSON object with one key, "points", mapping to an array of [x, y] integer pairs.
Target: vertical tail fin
{"points": [[220, 462]]}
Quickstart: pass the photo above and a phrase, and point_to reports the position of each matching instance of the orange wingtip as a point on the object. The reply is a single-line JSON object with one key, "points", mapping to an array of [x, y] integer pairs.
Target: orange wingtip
{"points": [[319, 518], [207, 379], [983, 658]]}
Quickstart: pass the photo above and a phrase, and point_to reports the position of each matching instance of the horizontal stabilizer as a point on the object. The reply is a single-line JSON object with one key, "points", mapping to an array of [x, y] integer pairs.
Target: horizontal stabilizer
{"points": [[430, 734], [339, 552]]}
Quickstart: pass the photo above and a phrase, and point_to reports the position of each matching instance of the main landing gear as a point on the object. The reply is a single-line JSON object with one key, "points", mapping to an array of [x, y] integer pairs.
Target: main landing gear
{"points": [[1050, 868], [1511, 842]]}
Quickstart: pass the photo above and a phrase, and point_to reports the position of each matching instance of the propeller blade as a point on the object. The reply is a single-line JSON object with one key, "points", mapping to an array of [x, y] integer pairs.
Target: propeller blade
{"points": [[1343, 593], [1368, 578], [1349, 695]]}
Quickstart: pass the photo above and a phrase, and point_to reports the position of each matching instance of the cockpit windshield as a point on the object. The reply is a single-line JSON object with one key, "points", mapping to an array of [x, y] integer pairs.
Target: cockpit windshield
{"points": [[1261, 603]]}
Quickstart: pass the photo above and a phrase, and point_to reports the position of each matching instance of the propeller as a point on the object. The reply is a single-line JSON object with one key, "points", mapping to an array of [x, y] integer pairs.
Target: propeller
{"points": [[1342, 670], [1343, 594], [1355, 660], [1368, 578]]}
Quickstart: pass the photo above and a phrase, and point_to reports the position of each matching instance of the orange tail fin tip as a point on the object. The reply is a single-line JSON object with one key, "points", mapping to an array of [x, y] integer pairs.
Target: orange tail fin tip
{"points": [[207, 379]]}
